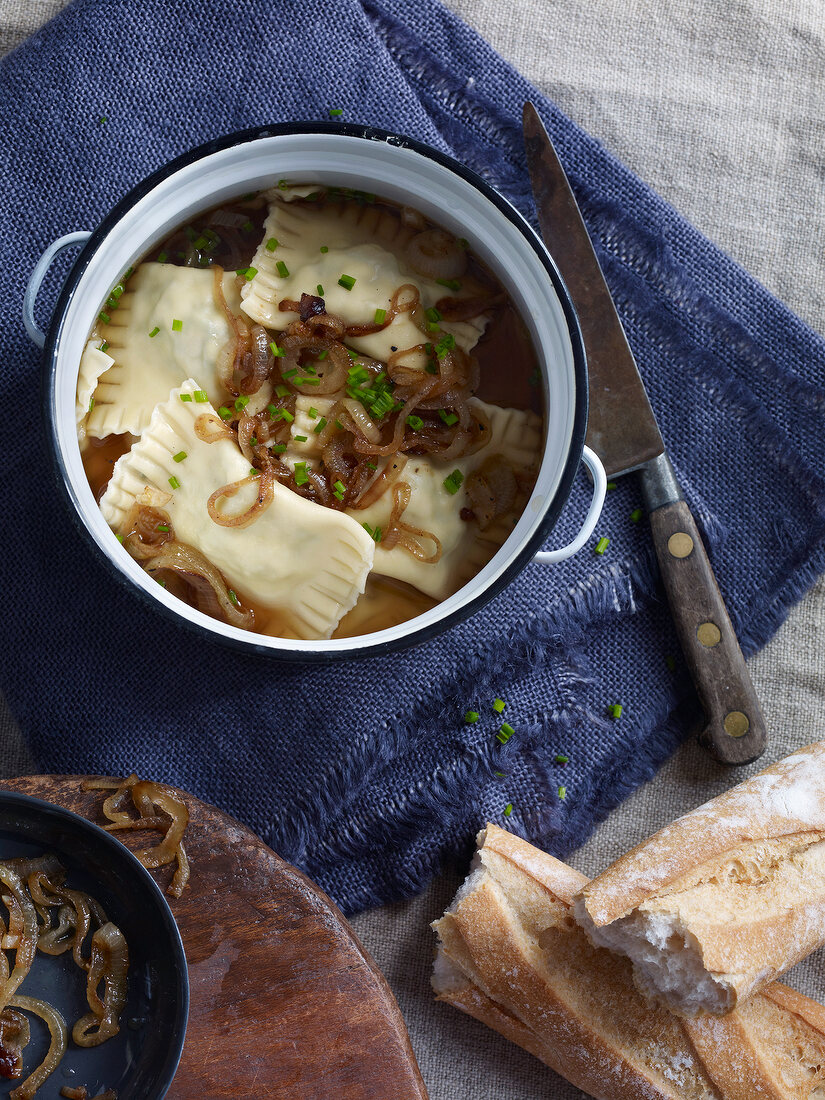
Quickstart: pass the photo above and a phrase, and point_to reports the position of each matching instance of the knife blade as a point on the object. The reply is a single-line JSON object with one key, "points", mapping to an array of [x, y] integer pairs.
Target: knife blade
{"points": [[622, 430]]}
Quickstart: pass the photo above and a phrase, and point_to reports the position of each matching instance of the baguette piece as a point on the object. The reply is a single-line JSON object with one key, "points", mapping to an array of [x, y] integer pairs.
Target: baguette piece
{"points": [[727, 898], [511, 955]]}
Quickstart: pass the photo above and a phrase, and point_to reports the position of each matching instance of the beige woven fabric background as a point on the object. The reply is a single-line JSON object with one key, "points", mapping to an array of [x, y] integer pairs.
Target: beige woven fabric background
{"points": [[720, 108]]}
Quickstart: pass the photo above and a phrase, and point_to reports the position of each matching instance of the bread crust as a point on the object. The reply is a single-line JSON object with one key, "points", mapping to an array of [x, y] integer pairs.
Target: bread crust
{"points": [[538, 988], [785, 799]]}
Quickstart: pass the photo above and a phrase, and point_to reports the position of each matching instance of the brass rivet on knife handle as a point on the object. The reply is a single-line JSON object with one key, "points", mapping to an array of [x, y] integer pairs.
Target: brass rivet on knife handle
{"points": [[735, 730]]}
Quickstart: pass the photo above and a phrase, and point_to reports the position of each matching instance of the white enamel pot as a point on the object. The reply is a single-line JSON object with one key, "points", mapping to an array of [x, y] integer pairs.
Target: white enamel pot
{"points": [[396, 168]]}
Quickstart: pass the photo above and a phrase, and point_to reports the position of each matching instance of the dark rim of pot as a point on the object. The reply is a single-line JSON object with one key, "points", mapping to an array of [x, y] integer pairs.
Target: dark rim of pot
{"points": [[532, 545], [119, 854]]}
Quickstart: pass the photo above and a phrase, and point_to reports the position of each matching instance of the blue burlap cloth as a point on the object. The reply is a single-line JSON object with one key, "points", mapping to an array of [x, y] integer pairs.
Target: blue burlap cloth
{"points": [[365, 774]]}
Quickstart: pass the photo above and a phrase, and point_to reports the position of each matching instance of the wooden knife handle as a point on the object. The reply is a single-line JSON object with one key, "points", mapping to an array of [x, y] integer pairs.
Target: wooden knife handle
{"points": [[735, 731]]}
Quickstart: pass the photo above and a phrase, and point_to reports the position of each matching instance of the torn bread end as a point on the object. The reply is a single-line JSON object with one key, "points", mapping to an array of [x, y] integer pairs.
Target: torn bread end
{"points": [[667, 961]]}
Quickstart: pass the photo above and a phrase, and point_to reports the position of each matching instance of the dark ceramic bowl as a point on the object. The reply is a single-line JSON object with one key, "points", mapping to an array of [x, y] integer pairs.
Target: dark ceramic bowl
{"points": [[140, 1062]]}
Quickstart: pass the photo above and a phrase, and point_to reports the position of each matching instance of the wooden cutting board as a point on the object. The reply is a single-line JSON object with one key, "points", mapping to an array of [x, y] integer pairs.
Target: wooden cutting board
{"points": [[285, 1001]]}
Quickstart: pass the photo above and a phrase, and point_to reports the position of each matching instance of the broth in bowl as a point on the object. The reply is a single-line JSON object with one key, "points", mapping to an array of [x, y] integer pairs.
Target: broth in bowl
{"points": [[310, 413]]}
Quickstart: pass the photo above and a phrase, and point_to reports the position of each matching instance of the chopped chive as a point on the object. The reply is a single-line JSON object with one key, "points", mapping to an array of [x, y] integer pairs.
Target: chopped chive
{"points": [[283, 391], [615, 710], [432, 314], [562, 793], [324, 248], [670, 662], [371, 466], [177, 325], [380, 316], [247, 226], [283, 414], [340, 486], [301, 475], [320, 290], [445, 344], [224, 413], [103, 120], [505, 732], [601, 546], [300, 438], [499, 705], [471, 716], [162, 257], [290, 374], [276, 351], [162, 527], [186, 397], [283, 270], [611, 485], [451, 284], [278, 448], [463, 242], [452, 483], [373, 532], [500, 775], [91, 403], [173, 481], [248, 273], [234, 598], [335, 112], [347, 282], [241, 402], [312, 413], [636, 515], [415, 422], [179, 457], [322, 354], [253, 472], [282, 185], [154, 332], [253, 442], [104, 346], [105, 318], [119, 538], [508, 809], [560, 758], [201, 396], [338, 424], [319, 427], [160, 582], [448, 418], [272, 244]]}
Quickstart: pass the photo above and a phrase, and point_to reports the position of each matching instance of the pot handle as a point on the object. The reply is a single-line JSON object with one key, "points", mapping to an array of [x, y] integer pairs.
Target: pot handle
{"points": [[36, 335], [594, 465]]}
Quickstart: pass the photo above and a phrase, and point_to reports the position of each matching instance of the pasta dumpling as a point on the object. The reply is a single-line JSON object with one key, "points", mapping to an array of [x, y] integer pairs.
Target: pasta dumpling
{"points": [[307, 563], [167, 327], [323, 246], [515, 436]]}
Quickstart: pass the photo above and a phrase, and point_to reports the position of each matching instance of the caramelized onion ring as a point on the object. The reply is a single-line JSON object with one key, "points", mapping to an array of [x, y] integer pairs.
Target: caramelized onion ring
{"points": [[109, 964], [436, 254], [210, 428], [402, 534], [204, 578], [27, 937], [262, 500], [57, 1045]]}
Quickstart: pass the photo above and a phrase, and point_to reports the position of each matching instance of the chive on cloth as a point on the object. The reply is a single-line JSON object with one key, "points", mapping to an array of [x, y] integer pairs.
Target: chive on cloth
{"points": [[366, 774]]}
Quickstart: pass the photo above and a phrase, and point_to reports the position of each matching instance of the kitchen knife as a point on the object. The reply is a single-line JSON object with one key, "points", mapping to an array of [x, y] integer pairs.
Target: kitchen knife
{"points": [[623, 431]]}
